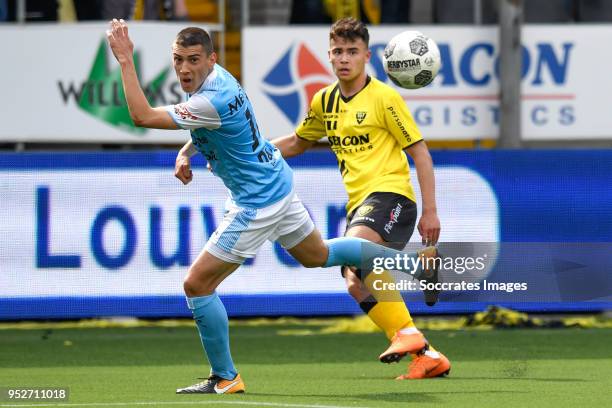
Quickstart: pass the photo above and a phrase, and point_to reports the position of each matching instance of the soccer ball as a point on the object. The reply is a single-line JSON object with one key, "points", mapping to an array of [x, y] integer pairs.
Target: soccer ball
{"points": [[411, 60]]}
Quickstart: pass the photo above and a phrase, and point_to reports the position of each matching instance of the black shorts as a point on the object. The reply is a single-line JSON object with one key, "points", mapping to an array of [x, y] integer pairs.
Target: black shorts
{"points": [[393, 216]]}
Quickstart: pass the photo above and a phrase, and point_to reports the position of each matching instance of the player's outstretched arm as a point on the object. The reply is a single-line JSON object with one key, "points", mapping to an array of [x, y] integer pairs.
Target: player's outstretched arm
{"points": [[141, 112], [182, 164], [429, 224], [292, 145]]}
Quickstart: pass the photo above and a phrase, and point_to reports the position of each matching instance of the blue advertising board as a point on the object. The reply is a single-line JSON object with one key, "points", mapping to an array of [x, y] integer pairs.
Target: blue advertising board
{"points": [[112, 234]]}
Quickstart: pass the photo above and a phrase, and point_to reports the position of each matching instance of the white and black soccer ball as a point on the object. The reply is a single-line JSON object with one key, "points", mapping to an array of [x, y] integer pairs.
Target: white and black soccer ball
{"points": [[411, 60]]}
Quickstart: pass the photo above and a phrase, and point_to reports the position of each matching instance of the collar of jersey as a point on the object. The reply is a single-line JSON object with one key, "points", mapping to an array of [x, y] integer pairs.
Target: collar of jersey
{"points": [[345, 99]]}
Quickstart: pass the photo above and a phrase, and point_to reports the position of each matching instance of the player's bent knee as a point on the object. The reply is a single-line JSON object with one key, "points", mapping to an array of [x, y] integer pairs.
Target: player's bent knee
{"points": [[190, 286], [309, 257], [313, 260], [311, 263], [198, 284], [193, 287]]}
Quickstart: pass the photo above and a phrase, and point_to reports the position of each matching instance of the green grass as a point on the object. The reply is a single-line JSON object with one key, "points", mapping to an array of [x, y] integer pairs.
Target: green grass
{"points": [[565, 367]]}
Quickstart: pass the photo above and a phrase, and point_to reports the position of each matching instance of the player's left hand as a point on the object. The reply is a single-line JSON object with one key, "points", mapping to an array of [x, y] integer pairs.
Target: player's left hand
{"points": [[182, 169], [429, 228], [119, 41]]}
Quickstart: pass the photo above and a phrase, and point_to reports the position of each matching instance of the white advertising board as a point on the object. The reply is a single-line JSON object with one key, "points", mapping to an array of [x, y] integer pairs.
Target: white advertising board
{"points": [[565, 87], [60, 82]]}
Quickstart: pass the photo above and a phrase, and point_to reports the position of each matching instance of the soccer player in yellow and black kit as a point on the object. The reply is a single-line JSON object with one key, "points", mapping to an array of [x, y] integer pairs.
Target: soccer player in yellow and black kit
{"points": [[369, 126]]}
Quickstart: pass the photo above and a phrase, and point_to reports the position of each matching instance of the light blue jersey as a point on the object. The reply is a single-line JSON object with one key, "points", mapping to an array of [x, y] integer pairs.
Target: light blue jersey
{"points": [[223, 128]]}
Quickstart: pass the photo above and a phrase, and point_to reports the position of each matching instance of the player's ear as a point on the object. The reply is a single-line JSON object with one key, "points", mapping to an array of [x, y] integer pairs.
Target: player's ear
{"points": [[212, 58], [368, 55]]}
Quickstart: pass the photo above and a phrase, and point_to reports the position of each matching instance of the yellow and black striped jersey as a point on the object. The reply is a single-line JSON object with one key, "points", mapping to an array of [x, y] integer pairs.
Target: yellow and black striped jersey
{"points": [[368, 132]]}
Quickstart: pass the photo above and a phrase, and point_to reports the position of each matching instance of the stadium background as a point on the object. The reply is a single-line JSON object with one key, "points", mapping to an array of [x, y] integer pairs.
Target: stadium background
{"points": [[94, 224], [96, 234]]}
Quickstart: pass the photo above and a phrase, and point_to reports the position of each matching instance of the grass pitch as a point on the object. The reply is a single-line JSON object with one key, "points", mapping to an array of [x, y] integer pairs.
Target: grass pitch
{"points": [[143, 366]]}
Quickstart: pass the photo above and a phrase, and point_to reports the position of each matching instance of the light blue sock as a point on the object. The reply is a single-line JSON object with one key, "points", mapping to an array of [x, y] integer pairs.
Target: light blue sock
{"points": [[344, 251], [358, 252], [211, 319]]}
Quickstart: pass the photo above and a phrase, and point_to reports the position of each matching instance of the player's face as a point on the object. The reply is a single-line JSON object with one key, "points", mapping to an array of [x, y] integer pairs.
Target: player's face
{"points": [[348, 58], [192, 66]]}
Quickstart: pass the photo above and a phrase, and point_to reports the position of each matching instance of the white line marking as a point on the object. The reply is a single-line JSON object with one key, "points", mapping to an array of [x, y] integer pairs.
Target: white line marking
{"points": [[209, 402]]}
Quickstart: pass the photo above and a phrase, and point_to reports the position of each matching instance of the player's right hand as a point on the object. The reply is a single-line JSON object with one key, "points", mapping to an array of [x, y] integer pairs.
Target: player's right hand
{"points": [[182, 169], [119, 41]]}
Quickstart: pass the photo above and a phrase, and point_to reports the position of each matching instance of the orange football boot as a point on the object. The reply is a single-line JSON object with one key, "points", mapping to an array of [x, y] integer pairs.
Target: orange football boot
{"points": [[424, 366], [402, 344]]}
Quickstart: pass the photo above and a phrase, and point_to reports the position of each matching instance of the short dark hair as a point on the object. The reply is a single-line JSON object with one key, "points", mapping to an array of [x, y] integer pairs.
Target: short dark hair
{"points": [[191, 36], [349, 29]]}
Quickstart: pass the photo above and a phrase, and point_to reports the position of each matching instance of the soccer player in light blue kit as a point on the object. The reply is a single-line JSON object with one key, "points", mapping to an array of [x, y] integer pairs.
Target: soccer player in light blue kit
{"points": [[262, 204]]}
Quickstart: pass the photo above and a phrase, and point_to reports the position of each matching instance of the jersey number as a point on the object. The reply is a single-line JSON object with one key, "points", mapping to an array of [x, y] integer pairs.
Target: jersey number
{"points": [[264, 155], [254, 132]]}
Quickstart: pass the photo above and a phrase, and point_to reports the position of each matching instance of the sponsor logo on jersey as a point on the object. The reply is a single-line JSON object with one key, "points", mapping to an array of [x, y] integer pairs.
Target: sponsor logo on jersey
{"points": [[309, 117], [236, 103], [368, 219], [393, 218], [182, 111], [399, 123], [349, 140]]}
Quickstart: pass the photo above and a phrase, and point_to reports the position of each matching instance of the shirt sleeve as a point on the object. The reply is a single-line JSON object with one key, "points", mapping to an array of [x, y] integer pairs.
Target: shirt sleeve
{"points": [[312, 127], [197, 112], [399, 121]]}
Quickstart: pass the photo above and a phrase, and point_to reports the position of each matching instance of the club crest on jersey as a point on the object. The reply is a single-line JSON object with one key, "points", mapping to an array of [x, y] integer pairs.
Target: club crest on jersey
{"points": [[360, 116], [365, 210]]}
